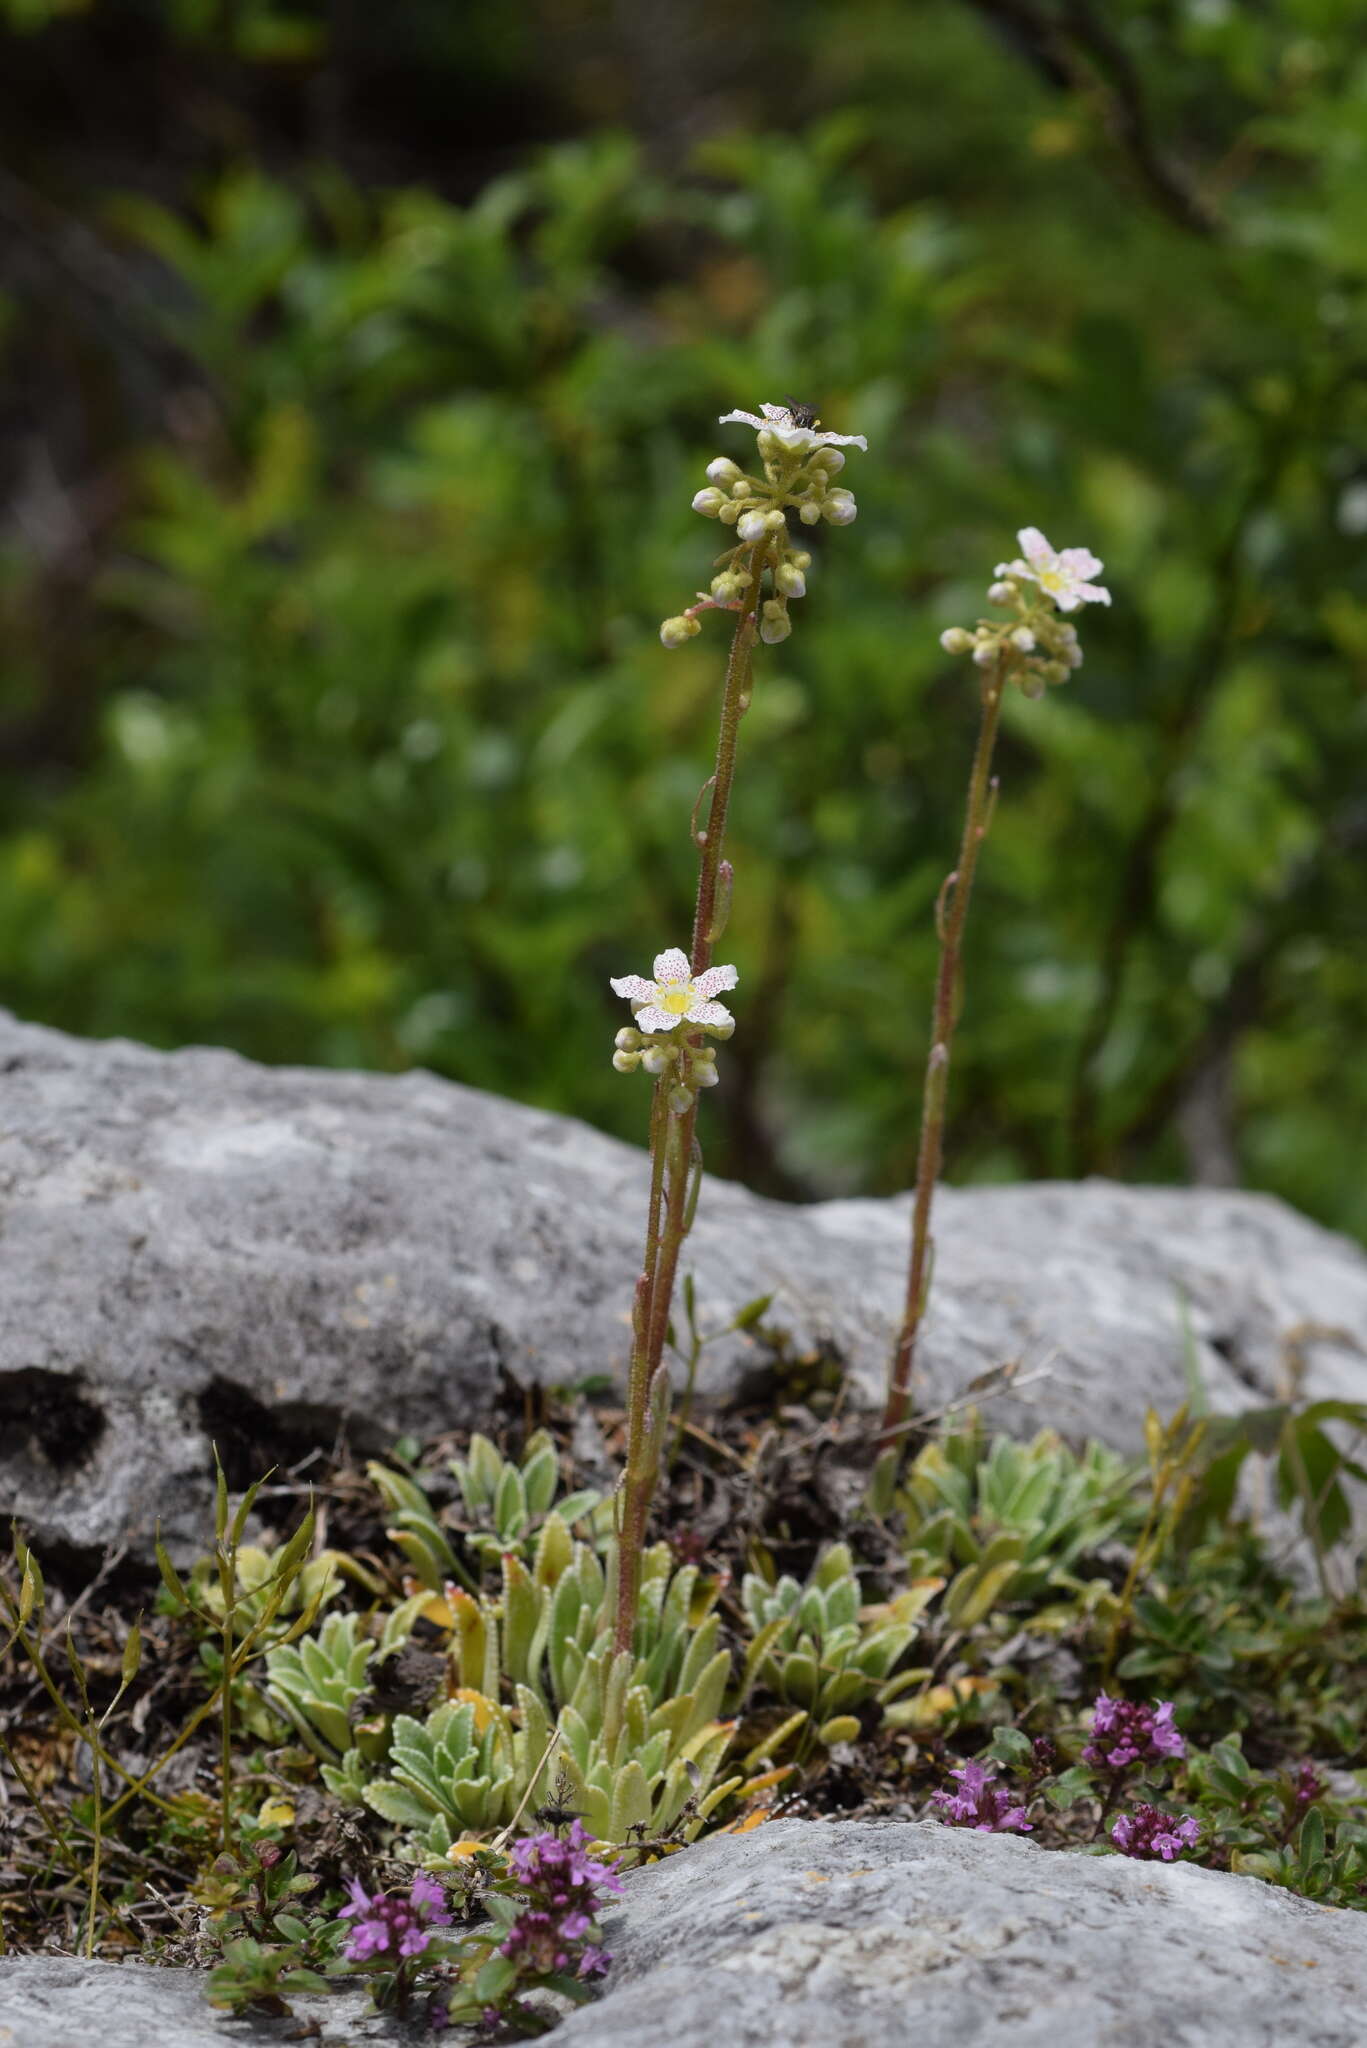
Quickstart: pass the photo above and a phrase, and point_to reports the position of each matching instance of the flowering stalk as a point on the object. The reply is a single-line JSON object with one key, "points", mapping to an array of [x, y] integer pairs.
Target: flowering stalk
{"points": [[1031, 648], [675, 1012]]}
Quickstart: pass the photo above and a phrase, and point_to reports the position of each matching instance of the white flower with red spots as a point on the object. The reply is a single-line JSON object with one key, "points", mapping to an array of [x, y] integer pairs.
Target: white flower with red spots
{"points": [[779, 421], [1065, 576], [676, 995]]}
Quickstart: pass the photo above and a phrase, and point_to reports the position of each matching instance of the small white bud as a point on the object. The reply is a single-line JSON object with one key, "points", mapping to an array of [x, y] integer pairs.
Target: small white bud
{"points": [[706, 1077], [709, 503], [774, 623], [752, 526], [790, 580], [722, 470], [775, 521], [832, 460], [727, 587], [674, 632], [1023, 638], [722, 1031], [655, 1059], [627, 1040], [742, 488], [809, 513], [1000, 593], [770, 447], [955, 640], [730, 513], [681, 1100], [985, 654], [626, 1062], [1073, 655], [840, 508]]}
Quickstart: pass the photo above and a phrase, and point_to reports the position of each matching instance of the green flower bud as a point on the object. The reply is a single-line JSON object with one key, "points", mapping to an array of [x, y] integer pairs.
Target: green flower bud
{"points": [[809, 513], [753, 525], [656, 1058], [626, 1062], [840, 507], [790, 579], [681, 1100], [774, 623], [674, 632], [955, 640], [722, 470], [709, 503], [627, 1040]]}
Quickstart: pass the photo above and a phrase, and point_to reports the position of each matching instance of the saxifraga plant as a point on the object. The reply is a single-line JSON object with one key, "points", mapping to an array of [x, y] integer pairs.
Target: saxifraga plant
{"points": [[1031, 648], [677, 1009]]}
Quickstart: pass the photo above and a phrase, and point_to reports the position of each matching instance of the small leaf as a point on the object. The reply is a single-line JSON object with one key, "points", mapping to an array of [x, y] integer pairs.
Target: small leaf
{"points": [[132, 1654]]}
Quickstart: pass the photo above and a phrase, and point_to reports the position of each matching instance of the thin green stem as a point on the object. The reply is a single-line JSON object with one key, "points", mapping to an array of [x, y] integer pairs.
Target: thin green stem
{"points": [[226, 1731], [97, 1780], [951, 917], [672, 1141]]}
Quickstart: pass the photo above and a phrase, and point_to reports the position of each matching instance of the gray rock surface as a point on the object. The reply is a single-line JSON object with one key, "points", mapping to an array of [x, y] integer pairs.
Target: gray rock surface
{"points": [[859, 1935], [192, 1245]]}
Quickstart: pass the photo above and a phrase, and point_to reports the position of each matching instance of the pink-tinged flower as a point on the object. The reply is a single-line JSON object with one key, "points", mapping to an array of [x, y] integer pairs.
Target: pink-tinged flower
{"points": [[388, 1924], [1064, 577], [1152, 1836], [779, 421], [981, 1803], [676, 995], [1125, 1734]]}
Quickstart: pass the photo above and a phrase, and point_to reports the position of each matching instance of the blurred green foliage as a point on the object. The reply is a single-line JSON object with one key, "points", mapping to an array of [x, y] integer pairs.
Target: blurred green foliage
{"points": [[336, 724]]}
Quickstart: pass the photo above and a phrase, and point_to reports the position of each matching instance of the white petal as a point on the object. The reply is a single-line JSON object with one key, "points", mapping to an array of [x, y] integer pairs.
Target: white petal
{"points": [[747, 419], [1035, 547], [1080, 562], [633, 987], [714, 979], [709, 1013], [1094, 593], [651, 1019], [671, 967]]}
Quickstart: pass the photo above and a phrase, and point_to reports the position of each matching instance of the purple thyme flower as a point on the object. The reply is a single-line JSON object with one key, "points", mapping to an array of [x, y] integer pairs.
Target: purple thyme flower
{"points": [[980, 1803], [1148, 1834], [1307, 1784], [563, 1884], [1125, 1734], [388, 1924]]}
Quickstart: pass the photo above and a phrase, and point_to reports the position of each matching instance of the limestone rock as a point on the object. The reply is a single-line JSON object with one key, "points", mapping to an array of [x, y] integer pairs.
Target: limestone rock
{"points": [[196, 1247], [861, 1934]]}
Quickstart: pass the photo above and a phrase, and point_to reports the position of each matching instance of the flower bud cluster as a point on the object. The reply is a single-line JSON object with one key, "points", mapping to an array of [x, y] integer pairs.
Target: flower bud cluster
{"points": [[688, 1066], [1034, 648], [800, 465]]}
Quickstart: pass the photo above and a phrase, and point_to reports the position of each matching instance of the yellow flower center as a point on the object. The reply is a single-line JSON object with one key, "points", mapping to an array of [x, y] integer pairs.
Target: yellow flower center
{"points": [[1052, 580], [677, 1000]]}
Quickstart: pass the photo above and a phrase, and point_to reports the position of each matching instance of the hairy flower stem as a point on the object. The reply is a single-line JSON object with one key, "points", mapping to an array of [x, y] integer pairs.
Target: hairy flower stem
{"points": [[672, 1147], [951, 916]]}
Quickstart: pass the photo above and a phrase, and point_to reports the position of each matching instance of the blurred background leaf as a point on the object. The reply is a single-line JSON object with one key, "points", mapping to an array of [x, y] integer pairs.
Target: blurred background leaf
{"points": [[359, 367]]}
